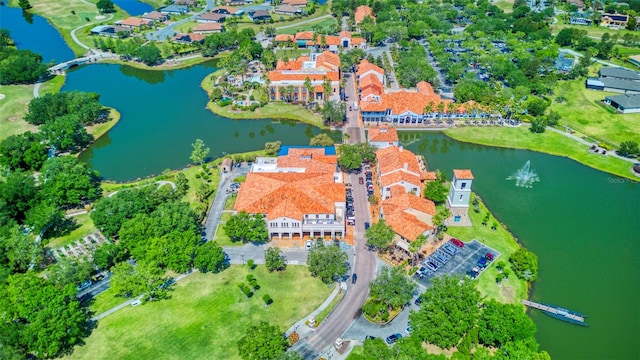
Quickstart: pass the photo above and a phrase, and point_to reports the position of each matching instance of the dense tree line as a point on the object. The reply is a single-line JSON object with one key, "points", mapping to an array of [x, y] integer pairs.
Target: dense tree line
{"points": [[413, 67], [351, 157], [19, 66]]}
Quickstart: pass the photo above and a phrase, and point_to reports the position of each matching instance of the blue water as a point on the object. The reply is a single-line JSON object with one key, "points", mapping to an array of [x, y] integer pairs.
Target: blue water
{"points": [[34, 33], [133, 7]]}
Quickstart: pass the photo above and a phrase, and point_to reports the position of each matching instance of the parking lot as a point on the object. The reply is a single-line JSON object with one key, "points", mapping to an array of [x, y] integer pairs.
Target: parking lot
{"points": [[464, 260]]}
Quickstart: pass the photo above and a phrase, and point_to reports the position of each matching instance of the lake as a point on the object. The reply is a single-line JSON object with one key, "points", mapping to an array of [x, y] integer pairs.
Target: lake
{"points": [[583, 225], [133, 7]]}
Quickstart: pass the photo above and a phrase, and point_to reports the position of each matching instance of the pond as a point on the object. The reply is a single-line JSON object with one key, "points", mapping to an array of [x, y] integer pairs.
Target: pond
{"points": [[33, 32], [583, 225], [133, 7]]}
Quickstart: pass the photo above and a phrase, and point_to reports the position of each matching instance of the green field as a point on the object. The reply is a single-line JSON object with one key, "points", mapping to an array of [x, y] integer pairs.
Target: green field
{"points": [[513, 289], [548, 142], [582, 111], [221, 236], [205, 316], [593, 31], [13, 108], [84, 227], [322, 24]]}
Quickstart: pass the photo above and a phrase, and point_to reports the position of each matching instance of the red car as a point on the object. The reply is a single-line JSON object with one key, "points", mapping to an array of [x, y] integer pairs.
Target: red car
{"points": [[457, 242], [489, 256], [361, 180]]}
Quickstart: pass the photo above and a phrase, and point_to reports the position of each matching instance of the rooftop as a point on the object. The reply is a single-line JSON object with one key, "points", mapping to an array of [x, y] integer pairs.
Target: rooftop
{"points": [[627, 101], [464, 174], [394, 158], [383, 134]]}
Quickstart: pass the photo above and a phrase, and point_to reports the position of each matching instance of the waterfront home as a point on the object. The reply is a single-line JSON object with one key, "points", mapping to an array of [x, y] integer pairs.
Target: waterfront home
{"points": [[362, 12], [211, 17], [259, 16], [626, 104], [287, 10], [189, 38], [614, 21], [134, 22], [208, 28], [174, 9], [383, 136], [156, 16], [399, 166], [301, 194], [287, 81], [409, 216], [296, 3], [228, 10], [110, 30]]}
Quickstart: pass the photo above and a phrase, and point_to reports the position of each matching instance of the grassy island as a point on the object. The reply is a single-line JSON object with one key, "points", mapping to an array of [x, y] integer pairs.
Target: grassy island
{"points": [[273, 110]]}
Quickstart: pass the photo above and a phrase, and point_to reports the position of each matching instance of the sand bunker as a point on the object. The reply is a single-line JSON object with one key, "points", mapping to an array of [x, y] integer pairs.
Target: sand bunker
{"points": [[2, 96], [100, 17]]}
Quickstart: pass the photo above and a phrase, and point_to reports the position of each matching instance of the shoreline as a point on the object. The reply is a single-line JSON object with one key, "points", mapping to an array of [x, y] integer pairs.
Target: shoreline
{"points": [[572, 150], [207, 85], [179, 64]]}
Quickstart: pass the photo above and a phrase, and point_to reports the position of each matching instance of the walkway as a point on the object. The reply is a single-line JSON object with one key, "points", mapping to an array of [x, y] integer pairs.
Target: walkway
{"points": [[220, 198], [575, 53], [611, 153]]}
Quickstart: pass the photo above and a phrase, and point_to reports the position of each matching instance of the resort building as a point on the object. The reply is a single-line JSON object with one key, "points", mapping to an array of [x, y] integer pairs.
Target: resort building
{"points": [[362, 12], [287, 81], [334, 43], [397, 166], [408, 215], [458, 198], [301, 194], [383, 136], [618, 80]]}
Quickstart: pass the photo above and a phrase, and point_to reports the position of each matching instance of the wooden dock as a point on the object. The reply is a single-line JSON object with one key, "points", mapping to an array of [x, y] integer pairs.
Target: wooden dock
{"points": [[558, 313]]}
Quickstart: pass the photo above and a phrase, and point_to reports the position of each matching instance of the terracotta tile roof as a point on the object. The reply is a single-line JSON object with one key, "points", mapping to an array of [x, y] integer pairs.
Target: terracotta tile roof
{"points": [[312, 160], [425, 88], [318, 88], [289, 64], [284, 38], [463, 174], [372, 105], [383, 134], [357, 41], [305, 35], [398, 176], [289, 194], [361, 12], [407, 214], [429, 175], [208, 27], [328, 60], [230, 9], [371, 81], [345, 33], [370, 91], [392, 158], [278, 75], [134, 22], [365, 66], [295, 2], [189, 38]]}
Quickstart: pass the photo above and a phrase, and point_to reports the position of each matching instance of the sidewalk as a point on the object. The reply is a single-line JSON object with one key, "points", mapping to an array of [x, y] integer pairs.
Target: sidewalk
{"points": [[301, 328]]}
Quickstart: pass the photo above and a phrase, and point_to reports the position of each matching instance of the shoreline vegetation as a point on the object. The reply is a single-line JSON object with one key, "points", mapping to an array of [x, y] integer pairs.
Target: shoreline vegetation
{"points": [[273, 110], [548, 142]]}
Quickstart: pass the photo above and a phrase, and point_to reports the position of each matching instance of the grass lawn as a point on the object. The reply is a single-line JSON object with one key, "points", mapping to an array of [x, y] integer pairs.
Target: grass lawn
{"points": [[273, 110], [583, 112], [104, 302], [221, 236], [505, 5], [322, 24], [285, 54], [205, 316], [13, 108], [59, 13], [100, 129], [85, 227], [596, 31], [155, 3], [511, 290], [230, 202], [184, 28], [548, 142]]}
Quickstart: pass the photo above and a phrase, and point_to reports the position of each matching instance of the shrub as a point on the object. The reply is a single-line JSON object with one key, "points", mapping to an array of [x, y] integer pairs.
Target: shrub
{"points": [[252, 98], [251, 264], [268, 301], [223, 103], [604, 146]]}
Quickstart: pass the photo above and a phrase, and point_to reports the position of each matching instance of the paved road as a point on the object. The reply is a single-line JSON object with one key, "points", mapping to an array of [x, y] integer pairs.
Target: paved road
{"points": [[575, 53], [167, 32], [356, 133], [220, 197]]}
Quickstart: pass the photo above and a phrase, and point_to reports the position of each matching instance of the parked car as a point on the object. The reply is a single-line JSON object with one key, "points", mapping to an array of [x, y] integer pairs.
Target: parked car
{"points": [[482, 262], [308, 244], [369, 337], [367, 226], [391, 339], [84, 285], [361, 180], [489, 256], [457, 242], [408, 330], [472, 274], [354, 278], [418, 300]]}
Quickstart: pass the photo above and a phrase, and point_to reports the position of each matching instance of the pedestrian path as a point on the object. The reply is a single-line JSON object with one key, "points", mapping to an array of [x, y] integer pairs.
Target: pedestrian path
{"points": [[300, 327]]}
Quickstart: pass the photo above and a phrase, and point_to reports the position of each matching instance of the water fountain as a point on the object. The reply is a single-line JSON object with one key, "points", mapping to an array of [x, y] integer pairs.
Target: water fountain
{"points": [[525, 177]]}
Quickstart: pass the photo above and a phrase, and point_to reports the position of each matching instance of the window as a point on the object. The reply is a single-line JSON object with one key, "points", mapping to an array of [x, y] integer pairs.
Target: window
{"points": [[463, 185], [460, 197], [327, 216], [317, 216]]}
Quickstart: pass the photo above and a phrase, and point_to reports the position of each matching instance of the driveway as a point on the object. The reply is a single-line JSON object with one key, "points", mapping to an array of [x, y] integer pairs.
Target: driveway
{"points": [[220, 197]]}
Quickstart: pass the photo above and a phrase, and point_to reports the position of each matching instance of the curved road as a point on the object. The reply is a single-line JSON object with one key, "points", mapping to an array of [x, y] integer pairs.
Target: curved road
{"points": [[167, 32]]}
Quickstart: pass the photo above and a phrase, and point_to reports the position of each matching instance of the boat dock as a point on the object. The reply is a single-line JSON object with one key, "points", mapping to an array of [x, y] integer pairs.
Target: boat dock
{"points": [[558, 312]]}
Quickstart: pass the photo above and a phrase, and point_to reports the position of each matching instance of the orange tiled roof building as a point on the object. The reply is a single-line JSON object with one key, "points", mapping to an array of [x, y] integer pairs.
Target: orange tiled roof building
{"points": [[383, 136], [344, 40], [286, 82], [301, 195], [361, 13], [459, 196], [420, 106]]}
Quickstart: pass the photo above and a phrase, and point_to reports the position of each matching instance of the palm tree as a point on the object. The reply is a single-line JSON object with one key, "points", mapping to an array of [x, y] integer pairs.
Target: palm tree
{"points": [[309, 87], [440, 108]]}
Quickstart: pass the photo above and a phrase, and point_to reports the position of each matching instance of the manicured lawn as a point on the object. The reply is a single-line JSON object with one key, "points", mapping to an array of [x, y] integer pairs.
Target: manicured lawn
{"points": [[505, 5], [322, 24], [230, 202], [13, 108], [205, 316], [548, 142], [286, 54], [221, 236], [596, 31], [104, 302], [155, 3], [100, 129], [511, 290], [59, 12], [184, 28], [85, 227], [583, 112]]}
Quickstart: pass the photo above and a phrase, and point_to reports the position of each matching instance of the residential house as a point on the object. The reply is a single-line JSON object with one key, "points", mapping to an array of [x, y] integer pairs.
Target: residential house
{"points": [[365, 68], [578, 3], [626, 104], [383, 136], [287, 10], [208, 28], [227, 10], [459, 196], [618, 80], [259, 16], [156, 16], [174, 9], [211, 17], [237, 2], [185, 2], [288, 79], [408, 215], [301, 195], [110, 30], [579, 18], [398, 166], [361, 13], [189, 38], [134, 22], [564, 64], [614, 21], [296, 3]]}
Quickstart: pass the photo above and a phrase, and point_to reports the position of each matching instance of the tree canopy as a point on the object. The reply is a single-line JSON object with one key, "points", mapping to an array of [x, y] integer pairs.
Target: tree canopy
{"points": [[274, 260], [321, 139], [47, 108], [379, 235], [350, 157], [392, 287], [327, 262], [200, 152], [262, 341], [24, 151], [524, 264], [500, 324], [67, 182], [20, 66], [245, 227], [210, 257]]}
